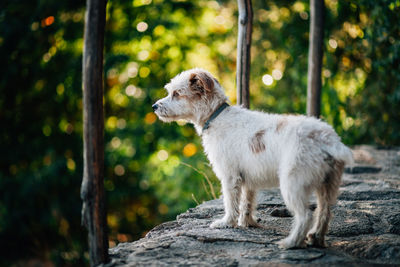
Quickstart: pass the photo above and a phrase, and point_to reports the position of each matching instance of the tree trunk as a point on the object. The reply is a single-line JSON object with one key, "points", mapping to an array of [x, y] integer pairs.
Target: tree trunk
{"points": [[245, 25], [315, 54], [92, 190]]}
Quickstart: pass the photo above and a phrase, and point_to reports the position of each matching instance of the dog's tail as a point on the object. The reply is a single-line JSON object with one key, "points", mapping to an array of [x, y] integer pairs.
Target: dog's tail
{"points": [[341, 152]]}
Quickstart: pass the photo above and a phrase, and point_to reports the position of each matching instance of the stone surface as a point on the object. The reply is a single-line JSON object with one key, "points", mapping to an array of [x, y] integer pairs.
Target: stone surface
{"points": [[365, 228]]}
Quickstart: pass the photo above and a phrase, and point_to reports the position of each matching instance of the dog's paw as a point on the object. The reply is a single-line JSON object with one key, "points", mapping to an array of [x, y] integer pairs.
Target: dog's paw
{"points": [[290, 243], [248, 222], [222, 223], [314, 240]]}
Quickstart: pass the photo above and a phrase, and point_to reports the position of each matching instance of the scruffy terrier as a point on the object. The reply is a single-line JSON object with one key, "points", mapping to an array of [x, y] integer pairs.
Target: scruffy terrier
{"points": [[251, 150]]}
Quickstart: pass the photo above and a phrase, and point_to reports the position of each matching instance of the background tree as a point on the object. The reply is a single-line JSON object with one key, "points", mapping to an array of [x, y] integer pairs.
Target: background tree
{"points": [[314, 83], [243, 64], [94, 212]]}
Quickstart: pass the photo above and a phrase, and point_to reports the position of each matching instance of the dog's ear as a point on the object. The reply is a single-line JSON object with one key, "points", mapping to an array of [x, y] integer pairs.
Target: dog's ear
{"points": [[201, 82]]}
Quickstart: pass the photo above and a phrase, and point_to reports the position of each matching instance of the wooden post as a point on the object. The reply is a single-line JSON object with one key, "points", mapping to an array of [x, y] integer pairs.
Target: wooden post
{"points": [[245, 24], [92, 190], [315, 54]]}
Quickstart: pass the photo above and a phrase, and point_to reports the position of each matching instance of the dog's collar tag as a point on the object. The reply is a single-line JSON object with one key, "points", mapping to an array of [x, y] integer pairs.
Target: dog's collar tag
{"points": [[214, 115]]}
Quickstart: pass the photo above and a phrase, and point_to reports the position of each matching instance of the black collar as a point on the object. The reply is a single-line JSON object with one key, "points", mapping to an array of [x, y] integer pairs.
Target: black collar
{"points": [[214, 115]]}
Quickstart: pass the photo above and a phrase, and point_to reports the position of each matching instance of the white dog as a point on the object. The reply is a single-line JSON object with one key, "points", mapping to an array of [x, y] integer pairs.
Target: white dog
{"points": [[250, 150]]}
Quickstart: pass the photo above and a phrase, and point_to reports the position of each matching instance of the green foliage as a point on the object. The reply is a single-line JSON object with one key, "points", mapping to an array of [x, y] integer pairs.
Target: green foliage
{"points": [[154, 170], [376, 104], [361, 75]]}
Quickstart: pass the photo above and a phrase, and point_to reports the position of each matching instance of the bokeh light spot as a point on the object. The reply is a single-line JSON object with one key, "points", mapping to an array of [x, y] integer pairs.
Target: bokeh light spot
{"points": [[181, 122], [298, 6], [163, 209], [121, 123], [143, 55], [304, 15], [144, 72], [150, 118], [46, 130], [137, 3], [35, 26], [189, 150], [115, 142], [47, 21], [267, 79], [60, 89], [277, 74], [119, 170], [132, 69], [142, 26], [111, 122], [332, 43], [122, 238], [162, 155], [159, 30], [71, 164], [130, 90]]}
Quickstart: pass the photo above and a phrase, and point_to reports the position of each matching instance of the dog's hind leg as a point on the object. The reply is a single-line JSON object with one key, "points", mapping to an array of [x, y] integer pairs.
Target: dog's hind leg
{"points": [[231, 191], [322, 216], [247, 205], [326, 196], [296, 197]]}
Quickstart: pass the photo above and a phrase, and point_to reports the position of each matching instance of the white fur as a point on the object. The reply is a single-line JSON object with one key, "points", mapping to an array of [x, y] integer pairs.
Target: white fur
{"points": [[251, 150]]}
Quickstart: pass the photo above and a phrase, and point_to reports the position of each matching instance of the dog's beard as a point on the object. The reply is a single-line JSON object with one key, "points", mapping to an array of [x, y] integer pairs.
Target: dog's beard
{"points": [[166, 117]]}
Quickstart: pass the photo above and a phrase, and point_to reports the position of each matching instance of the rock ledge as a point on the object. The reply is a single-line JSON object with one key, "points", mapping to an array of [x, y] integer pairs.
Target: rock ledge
{"points": [[365, 228]]}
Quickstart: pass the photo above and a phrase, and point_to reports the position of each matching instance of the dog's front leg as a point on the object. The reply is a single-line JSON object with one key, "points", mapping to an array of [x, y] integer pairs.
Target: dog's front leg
{"points": [[231, 190], [247, 204]]}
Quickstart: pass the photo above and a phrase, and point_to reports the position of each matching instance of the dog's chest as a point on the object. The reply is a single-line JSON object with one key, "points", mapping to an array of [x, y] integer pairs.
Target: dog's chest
{"points": [[220, 147], [232, 156]]}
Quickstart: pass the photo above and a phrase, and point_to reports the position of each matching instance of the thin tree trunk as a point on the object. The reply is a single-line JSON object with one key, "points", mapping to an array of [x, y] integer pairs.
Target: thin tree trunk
{"points": [[315, 54], [92, 190], [245, 25]]}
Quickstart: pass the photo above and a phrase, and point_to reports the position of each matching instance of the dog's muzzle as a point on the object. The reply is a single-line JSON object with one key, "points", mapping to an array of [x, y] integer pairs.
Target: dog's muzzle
{"points": [[155, 107]]}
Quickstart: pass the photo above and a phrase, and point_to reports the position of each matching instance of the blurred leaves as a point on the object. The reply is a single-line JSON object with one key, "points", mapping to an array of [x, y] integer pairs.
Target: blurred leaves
{"points": [[155, 170]]}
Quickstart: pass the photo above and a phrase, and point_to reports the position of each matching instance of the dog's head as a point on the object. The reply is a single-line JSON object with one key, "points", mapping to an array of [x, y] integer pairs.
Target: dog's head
{"points": [[192, 96]]}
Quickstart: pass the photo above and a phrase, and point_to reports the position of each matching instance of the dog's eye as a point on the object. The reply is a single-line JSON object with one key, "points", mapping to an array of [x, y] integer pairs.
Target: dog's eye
{"points": [[175, 94]]}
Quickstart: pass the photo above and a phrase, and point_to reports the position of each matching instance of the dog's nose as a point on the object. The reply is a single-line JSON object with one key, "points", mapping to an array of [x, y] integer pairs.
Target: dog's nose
{"points": [[155, 107]]}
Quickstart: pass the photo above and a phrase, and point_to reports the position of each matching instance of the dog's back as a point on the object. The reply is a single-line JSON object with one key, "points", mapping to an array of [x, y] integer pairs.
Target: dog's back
{"points": [[262, 145]]}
